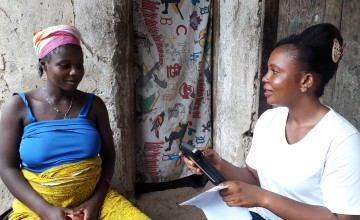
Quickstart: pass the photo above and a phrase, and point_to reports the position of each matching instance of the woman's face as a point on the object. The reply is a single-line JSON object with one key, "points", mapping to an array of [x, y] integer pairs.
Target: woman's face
{"points": [[65, 69], [282, 80]]}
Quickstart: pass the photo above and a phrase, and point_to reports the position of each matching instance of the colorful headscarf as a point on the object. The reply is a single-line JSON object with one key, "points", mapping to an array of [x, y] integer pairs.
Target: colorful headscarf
{"points": [[52, 37]]}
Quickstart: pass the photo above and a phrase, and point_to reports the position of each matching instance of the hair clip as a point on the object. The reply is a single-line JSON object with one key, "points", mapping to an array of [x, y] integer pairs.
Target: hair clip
{"points": [[337, 50]]}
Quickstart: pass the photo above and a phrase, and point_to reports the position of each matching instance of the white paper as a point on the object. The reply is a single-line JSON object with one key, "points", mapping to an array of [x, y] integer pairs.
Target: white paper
{"points": [[215, 208]]}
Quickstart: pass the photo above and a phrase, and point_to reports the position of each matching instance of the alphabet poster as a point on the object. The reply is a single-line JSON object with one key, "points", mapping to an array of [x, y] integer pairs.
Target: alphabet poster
{"points": [[172, 40]]}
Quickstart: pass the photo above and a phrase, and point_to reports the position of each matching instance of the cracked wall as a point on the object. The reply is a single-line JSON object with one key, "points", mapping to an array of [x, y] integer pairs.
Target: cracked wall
{"points": [[236, 82]]}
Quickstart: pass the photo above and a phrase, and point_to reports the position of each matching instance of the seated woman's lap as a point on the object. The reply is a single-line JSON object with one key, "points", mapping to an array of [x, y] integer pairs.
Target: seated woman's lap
{"points": [[116, 207]]}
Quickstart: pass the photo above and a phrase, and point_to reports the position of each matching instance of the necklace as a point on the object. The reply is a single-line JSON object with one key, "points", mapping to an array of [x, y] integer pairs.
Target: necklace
{"points": [[66, 115]]}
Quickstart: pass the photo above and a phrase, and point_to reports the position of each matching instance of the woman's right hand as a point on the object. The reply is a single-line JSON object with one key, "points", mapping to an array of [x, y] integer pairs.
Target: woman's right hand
{"points": [[210, 154], [79, 216], [57, 213]]}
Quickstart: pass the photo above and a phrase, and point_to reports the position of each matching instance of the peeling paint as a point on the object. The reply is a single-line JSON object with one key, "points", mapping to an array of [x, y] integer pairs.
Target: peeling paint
{"points": [[6, 15], [2, 62], [74, 14], [87, 46]]}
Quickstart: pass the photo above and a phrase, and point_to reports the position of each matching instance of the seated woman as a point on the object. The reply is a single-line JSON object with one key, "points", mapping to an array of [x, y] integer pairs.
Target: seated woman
{"points": [[304, 162], [56, 151]]}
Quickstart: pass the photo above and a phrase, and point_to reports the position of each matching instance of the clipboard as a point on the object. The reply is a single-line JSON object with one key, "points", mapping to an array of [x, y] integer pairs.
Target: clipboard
{"points": [[204, 164]]}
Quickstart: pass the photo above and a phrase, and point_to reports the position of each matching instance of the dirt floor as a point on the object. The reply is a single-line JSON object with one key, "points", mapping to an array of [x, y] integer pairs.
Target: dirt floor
{"points": [[164, 205]]}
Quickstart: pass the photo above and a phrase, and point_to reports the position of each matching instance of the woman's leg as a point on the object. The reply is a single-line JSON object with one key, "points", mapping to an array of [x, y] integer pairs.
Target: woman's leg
{"points": [[116, 207]]}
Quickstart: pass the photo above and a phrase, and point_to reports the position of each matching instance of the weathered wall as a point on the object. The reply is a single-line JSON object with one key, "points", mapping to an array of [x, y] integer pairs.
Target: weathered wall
{"points": [[236, 79]]}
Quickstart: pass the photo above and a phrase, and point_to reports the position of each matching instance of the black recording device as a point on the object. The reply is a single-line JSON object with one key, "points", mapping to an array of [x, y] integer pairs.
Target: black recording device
{"points": [[200, 160]]}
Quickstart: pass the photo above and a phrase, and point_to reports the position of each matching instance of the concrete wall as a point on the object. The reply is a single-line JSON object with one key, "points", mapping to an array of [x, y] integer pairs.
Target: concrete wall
{"points": [[106, 29], [236, 79]]}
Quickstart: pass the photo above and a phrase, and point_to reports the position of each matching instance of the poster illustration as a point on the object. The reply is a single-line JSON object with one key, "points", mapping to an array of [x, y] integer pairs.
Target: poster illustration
{"points": [[172, 50]]}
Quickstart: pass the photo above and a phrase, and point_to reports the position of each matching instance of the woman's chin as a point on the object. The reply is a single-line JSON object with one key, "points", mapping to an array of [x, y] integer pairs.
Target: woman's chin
{"points": [[269, 101]]}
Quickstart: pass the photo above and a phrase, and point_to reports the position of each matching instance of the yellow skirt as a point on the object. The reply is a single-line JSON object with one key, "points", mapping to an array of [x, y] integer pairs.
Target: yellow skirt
{"points": [[69, 185]]}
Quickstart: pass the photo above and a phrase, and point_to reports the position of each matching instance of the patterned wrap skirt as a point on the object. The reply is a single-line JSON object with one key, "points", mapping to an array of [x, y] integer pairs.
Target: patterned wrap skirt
{"points": [[71, 184]]}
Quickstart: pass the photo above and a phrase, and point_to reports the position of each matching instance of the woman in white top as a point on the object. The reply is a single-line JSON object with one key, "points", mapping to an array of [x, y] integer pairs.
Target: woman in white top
{"points": [[304, 162]]}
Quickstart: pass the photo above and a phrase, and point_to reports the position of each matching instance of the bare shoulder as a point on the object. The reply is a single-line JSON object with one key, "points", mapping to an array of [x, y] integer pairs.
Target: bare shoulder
{"points": [[98, 110], [99, 113], [14, 104], [98, 104], [14, 109]]}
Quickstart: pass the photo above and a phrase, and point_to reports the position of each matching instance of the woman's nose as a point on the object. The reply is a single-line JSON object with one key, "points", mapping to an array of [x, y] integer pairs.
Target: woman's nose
{"points": [[74, 71], [265, 78]]}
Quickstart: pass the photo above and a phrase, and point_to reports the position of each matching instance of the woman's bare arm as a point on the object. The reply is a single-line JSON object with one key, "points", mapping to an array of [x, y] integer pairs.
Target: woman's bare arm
{"points": [[11, 129]]}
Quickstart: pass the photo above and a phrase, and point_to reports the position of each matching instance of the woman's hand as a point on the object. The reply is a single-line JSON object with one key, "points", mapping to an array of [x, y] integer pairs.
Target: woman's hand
{"points": [[88, 210], [56, 213], [77, 216], [241, 194], [210, 154]]}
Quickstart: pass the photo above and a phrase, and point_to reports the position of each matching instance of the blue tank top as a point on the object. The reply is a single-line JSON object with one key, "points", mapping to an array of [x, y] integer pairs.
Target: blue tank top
{"points": [[46, 144]]}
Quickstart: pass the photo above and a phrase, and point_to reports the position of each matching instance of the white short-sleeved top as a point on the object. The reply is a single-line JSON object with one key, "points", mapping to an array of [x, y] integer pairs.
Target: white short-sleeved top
{"points": [[321, 169]]}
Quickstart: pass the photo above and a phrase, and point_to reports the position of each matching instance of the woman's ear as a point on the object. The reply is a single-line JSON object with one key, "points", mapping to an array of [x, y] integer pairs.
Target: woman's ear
{"points": [[307, 80], [43, 64]]}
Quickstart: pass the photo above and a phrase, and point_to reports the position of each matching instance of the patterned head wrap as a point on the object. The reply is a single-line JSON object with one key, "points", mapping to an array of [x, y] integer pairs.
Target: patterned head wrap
{"points": [[52, 37]]}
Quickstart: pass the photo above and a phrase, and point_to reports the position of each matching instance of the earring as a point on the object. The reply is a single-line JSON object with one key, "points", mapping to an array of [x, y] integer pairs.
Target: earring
{"points": [[337, 51], [303, 89]]}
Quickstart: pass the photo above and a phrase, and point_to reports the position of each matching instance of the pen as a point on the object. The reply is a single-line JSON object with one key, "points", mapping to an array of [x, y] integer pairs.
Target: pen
{"points": [[173, 157]]}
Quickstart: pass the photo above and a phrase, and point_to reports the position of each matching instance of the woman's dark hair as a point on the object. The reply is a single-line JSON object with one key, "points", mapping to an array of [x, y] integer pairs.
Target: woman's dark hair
{"points": [[48, 57], [314, 51]]}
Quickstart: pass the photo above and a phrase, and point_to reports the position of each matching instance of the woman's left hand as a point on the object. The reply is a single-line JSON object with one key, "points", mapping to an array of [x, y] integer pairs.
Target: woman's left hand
{"points": [[88, 210], [241, 194], [75, 216]]}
